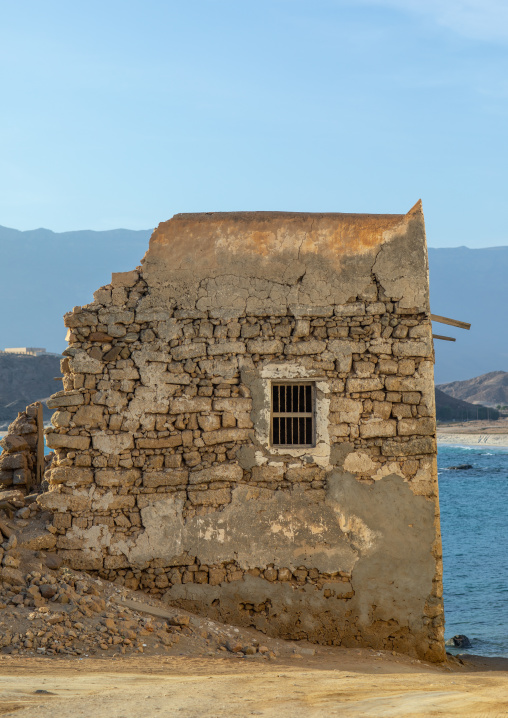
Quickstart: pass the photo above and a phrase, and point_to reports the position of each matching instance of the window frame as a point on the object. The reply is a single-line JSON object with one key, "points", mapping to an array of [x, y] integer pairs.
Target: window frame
{"points": [[290, 414]]}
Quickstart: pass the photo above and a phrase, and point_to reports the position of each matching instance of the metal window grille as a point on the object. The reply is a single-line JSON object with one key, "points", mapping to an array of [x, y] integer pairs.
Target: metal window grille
{"points": [[292, 419]]}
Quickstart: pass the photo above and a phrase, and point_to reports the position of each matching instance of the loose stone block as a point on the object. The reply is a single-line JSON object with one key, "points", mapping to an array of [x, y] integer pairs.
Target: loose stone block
{"points": [[180, 379], [260, 346], [267, 473], [387, 366], [304, 474], [339, 431], [65, 398], [116, 316], [354, 385], [13, 461], [209, 422], [70, 475], [412, 427], [419, 445], [349, 410], [124, 279], [381, 409], [57, 441], [402, 411], [168, 477], [354, 309], [222, 348], [83, 363], [380, 346], [411, 397], [5, 478], [14, 444], [54, 501], [20, 476], [224, 436], [80, 319], [152, 314], [232, 405], [116, 477], [183, 404], [112, 502], [188, 351], [376, 308], [113, 443], [305, 348], [412, 349], [302, 328], [309, 310], [224, 472], [378, 428], [405, 383], [88, 416], [407, 367], [164, 443]]}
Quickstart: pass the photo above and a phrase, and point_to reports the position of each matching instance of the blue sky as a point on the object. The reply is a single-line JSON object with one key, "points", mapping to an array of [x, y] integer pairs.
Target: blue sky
{"points": [[120, 114]]}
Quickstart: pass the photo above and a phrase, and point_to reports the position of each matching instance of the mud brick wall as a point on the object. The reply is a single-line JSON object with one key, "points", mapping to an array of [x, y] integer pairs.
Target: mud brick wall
{"points": [[22, 458], [164, 476]]}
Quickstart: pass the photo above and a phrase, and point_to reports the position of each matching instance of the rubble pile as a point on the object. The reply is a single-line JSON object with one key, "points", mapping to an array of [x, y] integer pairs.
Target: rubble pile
{"points": [[51, 610], [60, 612]]}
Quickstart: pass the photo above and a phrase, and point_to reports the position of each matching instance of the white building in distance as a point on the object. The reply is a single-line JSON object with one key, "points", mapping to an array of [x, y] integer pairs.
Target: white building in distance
{"points": [[28, 351]]}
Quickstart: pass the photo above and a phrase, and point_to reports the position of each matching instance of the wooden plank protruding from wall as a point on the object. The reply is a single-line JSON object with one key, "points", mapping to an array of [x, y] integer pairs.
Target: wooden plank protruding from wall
{"points": [[446, 339], [39, 466], [451, 322]]}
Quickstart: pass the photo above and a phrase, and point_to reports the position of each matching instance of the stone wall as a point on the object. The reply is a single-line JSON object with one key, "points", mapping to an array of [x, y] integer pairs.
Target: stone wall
{"points": [[22, 458], [164, 475]]}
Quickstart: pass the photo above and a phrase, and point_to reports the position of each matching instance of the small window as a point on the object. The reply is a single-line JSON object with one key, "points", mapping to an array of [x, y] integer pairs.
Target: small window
{"points": [[292, 418]]}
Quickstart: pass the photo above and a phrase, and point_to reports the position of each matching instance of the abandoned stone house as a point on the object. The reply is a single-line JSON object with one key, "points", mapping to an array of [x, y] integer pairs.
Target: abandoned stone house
{"points": [[247, 428]]}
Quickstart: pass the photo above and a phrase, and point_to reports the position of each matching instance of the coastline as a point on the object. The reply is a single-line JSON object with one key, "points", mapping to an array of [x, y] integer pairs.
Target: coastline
{"points": [[499, 441]]}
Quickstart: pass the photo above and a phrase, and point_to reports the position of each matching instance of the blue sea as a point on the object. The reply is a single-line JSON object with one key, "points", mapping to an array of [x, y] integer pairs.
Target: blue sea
{"points": [[474, 528]]}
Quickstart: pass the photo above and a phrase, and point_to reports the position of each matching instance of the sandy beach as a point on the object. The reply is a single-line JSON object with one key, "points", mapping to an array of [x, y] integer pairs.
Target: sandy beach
{"points": [[475, 433], [349, 683], [499, 441]]}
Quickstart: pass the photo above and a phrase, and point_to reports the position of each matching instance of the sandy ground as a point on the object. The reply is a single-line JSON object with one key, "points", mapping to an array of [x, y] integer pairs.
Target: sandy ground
{"points": [[475, 433], [343, 683], [499, 441]]}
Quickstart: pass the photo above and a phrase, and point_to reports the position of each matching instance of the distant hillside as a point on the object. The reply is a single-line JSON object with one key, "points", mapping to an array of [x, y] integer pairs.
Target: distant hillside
{"points": [[24, 379], [46, 274], [450, 409], [471, 285], [489, 389]]}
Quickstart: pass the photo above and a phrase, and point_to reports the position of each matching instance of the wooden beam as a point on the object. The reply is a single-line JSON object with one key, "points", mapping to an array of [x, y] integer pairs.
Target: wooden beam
{"points": [[446, 339], [40, 463], [451, 322]]}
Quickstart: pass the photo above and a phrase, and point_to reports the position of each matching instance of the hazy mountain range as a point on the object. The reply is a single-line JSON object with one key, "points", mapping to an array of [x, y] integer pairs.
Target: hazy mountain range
{"points": [[490, 389], [24, 379], [44, 274]]}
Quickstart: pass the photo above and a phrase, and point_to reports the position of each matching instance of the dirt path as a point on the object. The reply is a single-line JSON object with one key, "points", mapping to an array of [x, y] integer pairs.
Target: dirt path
{"points": [[352, 683]]}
